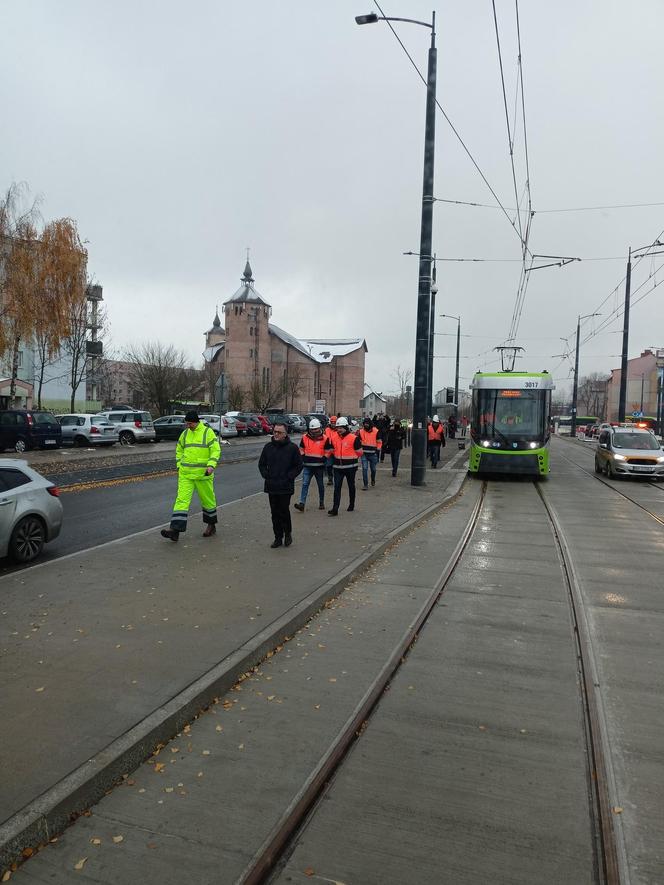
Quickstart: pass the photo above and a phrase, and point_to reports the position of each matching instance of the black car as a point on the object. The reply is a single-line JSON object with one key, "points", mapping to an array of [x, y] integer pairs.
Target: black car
{"points": [[324, 420], [254, 426], [169, 427], [23, 429], [286, 420]]}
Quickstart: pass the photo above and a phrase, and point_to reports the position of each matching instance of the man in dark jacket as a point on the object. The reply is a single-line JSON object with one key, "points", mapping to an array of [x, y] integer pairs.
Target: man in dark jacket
{"points": [[280, 462]]}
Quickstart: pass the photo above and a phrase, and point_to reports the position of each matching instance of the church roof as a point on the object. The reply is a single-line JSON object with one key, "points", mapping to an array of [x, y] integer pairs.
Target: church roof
{"points": [[287, 338], [323, 350], [246, 292], [210, 353]]}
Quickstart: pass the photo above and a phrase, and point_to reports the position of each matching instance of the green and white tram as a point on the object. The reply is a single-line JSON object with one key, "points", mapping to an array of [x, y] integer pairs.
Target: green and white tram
{"points": [[510, 423]]}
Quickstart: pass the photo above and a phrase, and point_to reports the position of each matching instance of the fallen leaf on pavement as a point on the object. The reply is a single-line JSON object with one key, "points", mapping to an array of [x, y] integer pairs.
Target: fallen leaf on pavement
{"points": [[28, 852], [41, 689], [159, 766], [80, 864], [168, 789], [152, 844], [219, 728], [309, 871], [95, 841], [206, 752], [617, 809], [7, 876], [240, 746], [117, 839]]}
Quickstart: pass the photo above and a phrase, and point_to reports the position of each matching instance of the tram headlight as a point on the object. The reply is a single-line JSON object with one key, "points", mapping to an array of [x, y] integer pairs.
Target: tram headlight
{"points": [[533, 445], [486, 443]]}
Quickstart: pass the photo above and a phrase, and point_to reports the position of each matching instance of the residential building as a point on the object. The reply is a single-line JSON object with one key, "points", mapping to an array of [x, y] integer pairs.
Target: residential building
{"points": [[643, 373], [373, 403], [266, 363]]}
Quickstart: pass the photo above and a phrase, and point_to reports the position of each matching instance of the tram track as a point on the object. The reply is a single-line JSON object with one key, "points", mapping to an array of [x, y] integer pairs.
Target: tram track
{"points": [[295, 815], [610, 856]]}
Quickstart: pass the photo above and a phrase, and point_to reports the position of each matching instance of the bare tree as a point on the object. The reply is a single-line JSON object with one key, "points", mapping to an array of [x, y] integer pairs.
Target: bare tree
{"points": [[399, 403], [592, 394], [263, 397], [160, 372], [236, 396], [294, 383]]}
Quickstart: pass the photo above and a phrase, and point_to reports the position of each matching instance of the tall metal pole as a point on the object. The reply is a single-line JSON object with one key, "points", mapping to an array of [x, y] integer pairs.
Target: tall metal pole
{"points": [[456, 374], [432, 322], [575, 390], [658, 424], [422, 338], [625, 342]]}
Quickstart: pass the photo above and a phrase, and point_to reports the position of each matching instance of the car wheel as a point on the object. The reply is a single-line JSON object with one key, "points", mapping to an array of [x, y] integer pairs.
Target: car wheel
{"points": [[598, 466], [20, 445], [80, 441], [609, 471], [126, 438], [27, 540]]}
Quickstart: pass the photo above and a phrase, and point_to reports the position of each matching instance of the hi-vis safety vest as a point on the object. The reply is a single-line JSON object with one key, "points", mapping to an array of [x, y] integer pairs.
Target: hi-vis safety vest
{"points": [[347, 449], [313, 450], [371, 444], [197, 450], [436, 434]]}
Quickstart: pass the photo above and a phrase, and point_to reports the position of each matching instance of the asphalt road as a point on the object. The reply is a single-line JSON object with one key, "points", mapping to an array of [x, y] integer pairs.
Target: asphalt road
{"points": [[115, 506]]}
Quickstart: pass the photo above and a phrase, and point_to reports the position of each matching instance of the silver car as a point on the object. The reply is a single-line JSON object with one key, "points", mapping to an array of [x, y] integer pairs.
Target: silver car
{"points": [[87, 430], [299, 424], [629, 451], [221, 424], [133, 426], [30, 511]]}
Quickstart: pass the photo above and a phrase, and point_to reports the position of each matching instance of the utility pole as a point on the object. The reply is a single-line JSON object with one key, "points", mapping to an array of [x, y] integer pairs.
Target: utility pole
{"points": [[575, 389], [432, 331], [456, 373], [625, 341]]}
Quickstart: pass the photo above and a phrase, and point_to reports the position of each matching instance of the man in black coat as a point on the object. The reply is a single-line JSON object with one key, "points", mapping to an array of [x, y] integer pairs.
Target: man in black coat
{"points": [[280, 462]]}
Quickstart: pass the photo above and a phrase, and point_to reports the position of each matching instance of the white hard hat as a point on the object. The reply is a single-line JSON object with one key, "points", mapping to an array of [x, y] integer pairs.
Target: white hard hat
{"points": [[314, 424], [342, 422], [436, 419]]}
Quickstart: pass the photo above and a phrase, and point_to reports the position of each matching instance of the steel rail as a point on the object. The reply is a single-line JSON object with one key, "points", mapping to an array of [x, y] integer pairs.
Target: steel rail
{"points": [[265, 858], [611, 854]]}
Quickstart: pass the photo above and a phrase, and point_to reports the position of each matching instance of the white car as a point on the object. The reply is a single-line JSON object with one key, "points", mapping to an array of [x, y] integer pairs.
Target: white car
{"points": [[30, 511], [221, 424], [80, 429]]}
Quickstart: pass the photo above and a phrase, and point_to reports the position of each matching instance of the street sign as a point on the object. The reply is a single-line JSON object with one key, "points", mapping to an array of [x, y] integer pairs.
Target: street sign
{"points": [[637, 414]]}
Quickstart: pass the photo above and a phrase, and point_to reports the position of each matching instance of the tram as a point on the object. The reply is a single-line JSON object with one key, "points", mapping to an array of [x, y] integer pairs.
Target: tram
{"points": [[510, 423]]}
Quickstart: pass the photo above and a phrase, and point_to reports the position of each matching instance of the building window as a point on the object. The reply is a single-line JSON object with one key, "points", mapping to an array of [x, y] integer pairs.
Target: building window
{"points": [[251, 330], [264, 376], [268, 377], [251, 353], [235, 310]]}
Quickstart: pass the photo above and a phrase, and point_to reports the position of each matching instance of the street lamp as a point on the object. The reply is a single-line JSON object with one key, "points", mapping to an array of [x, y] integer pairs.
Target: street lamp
{"points": [[575, 389], [456, 374], [423, 332]]}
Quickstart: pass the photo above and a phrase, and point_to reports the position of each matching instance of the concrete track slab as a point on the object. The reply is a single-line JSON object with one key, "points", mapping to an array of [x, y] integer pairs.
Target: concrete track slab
{"points": [[226, 779]]}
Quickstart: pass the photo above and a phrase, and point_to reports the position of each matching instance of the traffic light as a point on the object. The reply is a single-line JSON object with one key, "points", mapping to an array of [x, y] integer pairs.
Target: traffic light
{"points": [[449, 394]]}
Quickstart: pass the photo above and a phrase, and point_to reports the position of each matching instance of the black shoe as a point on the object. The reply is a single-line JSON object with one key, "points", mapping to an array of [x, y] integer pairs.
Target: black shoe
{"points": [[276, 543], [364, 488], [210, 529], [288, 540], [394, 473], [321, 506], [333, 512], [373, 482], [350, 507], [299, 507], [329, 482], [171, 534]]}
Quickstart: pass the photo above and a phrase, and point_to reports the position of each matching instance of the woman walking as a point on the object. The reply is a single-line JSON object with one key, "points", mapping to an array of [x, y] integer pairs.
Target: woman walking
{"points": [[394, 443]]}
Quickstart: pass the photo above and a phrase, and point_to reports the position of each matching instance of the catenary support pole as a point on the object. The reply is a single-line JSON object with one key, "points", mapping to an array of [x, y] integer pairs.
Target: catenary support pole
{"points": [[625, 342]]}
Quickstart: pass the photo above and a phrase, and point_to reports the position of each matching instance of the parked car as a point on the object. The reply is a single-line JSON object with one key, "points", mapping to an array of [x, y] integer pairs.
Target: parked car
{"points": [[254, 426], [629, 451], [133, 426], [30, 511], [280, 418], [321, 416], [79, 429], [23, 429], [240, 425], [168, 427], [299, 424], [221, 424], [265, 423]]}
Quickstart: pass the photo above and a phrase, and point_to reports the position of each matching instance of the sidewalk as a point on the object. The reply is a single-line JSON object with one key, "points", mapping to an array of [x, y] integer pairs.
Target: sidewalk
{"points": [[110, 651]]}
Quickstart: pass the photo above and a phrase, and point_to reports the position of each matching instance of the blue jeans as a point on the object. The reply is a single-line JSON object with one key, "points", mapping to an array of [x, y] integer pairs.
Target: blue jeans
{"points": [[308, 473], [369, 461], [394, 455]]}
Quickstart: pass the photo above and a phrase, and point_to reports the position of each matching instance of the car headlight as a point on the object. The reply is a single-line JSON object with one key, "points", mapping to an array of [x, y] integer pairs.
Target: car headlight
{"points": [[619, 457], [660, 459]]}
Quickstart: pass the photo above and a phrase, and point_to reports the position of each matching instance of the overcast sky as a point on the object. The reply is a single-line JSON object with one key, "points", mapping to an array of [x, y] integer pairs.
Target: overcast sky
{"points": [[178, 134]]}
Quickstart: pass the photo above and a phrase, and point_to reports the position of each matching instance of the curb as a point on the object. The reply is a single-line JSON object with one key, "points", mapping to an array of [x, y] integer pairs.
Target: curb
{"points": [[50, 813]]}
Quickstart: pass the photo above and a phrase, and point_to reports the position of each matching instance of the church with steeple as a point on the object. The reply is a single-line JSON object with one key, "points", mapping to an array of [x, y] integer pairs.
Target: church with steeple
{"points": [[253, 360]]}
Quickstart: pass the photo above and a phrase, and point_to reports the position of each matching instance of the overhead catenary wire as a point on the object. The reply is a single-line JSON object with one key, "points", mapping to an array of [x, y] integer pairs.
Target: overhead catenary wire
{"points": [[549, 211], [453, 128]]}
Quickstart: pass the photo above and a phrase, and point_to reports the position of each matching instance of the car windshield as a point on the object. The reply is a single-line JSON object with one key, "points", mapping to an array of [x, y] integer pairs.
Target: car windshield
{"points": [[99, 420], [44, 418], [635, 441]]}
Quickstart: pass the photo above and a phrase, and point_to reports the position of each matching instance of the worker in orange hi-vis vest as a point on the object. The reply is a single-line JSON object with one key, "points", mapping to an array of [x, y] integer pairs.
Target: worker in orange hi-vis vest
{"points": [[371, 445], [330, 433], [346, 448], [312, 449], [436, 437]]}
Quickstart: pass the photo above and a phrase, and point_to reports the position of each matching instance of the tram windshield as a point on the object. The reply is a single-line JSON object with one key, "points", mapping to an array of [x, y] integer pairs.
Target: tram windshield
{"points": [[512, 413]]}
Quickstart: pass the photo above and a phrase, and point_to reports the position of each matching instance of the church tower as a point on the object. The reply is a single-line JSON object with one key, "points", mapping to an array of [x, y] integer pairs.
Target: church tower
{"points": [[248, 349]]}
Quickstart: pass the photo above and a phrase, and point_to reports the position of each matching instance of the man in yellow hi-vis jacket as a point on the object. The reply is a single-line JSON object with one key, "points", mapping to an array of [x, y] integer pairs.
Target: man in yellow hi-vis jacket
{"points": [[196, 455]]}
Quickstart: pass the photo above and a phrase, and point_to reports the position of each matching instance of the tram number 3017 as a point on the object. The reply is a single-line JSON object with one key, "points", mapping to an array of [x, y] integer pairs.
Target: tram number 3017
{"points": [[532, 384]]}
